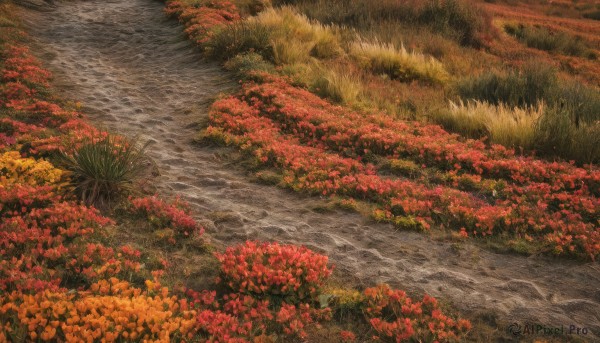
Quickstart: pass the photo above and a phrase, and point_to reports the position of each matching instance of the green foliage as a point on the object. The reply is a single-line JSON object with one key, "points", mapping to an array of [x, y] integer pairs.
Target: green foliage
{"points": [[104, 169], [595, 15], [404, 167], [544, 39], [246, 63], [557, 134], [459, 20], [532, 84], [522, 88], [568, 126], [240, 37]]}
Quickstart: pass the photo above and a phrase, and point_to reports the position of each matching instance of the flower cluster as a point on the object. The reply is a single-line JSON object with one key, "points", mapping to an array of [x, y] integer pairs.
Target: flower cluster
{"points": [[160, 215], [111, 310], [397, 318], [15, 169], [202, 19], [273, 289], [34, 122], [265, 269], [58, 281], [324, 149]]}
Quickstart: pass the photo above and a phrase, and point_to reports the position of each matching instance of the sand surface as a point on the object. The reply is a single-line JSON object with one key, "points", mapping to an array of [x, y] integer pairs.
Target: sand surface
{"points": [[135, 73]]}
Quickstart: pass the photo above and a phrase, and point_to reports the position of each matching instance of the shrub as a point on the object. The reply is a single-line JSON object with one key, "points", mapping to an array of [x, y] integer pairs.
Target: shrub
{"points": [[162, 215], [252, 7], [15, 169], [398, 63], [272, 271], [104, 169], [111, 311], [395, 317], [404, 167], [240, 37], [203, 18]]}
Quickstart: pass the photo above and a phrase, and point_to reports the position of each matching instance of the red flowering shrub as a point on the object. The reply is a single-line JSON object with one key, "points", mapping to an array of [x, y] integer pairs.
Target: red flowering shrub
{"points": [[397, 318], [347, 336], [321, 149], [267, 270], [161, 215], [202, 19]]}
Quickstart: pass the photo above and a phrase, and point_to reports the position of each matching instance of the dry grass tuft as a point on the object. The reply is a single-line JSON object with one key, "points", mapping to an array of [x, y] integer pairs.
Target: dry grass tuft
{"points": [[398, 63]]}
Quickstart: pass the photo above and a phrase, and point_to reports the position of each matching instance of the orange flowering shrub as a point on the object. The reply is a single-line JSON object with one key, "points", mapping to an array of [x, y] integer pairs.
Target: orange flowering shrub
{"points": [[111, 310]]}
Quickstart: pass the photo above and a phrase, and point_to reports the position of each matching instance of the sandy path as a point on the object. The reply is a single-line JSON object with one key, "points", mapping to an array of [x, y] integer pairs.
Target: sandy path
{"points": [[134, 72]]}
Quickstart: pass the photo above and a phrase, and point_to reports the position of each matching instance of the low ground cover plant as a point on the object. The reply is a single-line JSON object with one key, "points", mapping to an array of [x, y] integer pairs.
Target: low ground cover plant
{"points": [[63, 277], [480, 189]]}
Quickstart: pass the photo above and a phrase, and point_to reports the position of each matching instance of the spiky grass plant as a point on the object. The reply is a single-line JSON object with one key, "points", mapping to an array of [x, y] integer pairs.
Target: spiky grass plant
{"points": [[106, 168]]}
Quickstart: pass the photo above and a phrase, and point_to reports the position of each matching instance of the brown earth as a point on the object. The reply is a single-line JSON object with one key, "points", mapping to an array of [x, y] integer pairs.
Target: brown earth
{"points": [[136, 74]]}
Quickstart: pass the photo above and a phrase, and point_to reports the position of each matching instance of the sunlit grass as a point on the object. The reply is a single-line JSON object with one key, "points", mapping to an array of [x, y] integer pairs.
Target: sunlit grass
{"points": [[295, 38], [398, 63], [509, 126]]}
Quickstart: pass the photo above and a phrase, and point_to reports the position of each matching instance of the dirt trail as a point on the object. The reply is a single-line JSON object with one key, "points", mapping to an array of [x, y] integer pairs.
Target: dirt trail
{"points": [[137, 75]]}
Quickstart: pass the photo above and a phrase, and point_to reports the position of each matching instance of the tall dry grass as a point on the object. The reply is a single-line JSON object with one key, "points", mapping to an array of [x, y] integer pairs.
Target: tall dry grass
{"points": [[295, 38], [502, 124], [398, 63]]}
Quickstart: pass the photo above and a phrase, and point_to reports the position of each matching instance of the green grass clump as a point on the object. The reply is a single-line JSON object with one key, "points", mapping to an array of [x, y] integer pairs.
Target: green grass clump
{"points": [[246, 63], [519, 88], [531, 85], [567, 127], [542, 38], [240, 37], [594, 15], [105, 169], [460, 20], [557, 134]]}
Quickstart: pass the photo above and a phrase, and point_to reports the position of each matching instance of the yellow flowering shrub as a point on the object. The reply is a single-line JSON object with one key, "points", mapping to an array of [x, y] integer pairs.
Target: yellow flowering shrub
{"points": [[111, 310], [15, 169]]}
